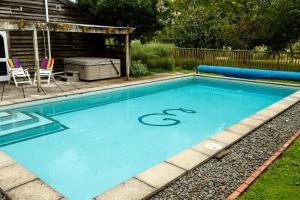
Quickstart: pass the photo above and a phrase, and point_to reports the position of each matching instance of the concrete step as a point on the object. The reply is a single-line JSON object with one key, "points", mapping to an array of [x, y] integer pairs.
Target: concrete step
{"points": [[38, 126], [17, 120]]}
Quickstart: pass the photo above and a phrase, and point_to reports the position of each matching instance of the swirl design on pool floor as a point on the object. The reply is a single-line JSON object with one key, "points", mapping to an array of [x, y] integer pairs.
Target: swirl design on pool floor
{"points": [[169, 117]]}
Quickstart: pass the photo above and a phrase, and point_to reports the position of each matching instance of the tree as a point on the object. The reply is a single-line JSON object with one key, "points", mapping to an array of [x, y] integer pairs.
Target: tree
{"points": [[281, 24], [239, 24], [141, 14], [195, 27]]}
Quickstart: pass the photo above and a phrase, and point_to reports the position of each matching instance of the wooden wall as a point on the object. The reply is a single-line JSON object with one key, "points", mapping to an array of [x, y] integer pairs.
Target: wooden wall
{"points": [[63, 45], [35, 10]]}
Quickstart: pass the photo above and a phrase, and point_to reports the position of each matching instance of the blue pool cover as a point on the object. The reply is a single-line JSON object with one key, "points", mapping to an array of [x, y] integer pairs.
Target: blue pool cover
{"points": [[250, 73]]}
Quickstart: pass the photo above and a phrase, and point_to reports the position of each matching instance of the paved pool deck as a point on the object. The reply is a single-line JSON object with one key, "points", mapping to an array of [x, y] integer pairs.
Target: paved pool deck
{"points": [[13, 94], [18, 183]]}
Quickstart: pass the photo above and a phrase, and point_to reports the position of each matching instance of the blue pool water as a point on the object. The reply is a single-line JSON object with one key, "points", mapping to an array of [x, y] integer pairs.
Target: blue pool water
{"points": [[105, 138]]}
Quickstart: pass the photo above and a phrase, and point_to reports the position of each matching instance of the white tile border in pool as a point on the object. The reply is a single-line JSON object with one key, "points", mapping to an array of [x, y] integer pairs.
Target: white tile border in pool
{"points": [[18, 183]]}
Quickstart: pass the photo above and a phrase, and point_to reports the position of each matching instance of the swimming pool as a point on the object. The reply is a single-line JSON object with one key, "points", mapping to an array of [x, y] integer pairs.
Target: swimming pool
{"points": [[100, 139]]}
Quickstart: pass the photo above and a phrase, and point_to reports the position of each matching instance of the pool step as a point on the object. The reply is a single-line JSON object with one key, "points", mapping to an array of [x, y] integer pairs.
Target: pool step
{"points": [[4, 115], [24, 126], [16, 120]]}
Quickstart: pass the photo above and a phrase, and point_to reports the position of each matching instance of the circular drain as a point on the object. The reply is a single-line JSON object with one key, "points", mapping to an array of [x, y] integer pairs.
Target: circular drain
{"points": [[212, 146]]}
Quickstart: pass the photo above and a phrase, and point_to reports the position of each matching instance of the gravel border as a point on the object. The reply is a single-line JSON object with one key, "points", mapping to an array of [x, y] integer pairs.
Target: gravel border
{"points": [[217, 179]]}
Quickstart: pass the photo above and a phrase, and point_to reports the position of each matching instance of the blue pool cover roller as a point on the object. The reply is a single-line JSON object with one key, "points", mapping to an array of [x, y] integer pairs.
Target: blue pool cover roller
{"points": [[250, 73]]}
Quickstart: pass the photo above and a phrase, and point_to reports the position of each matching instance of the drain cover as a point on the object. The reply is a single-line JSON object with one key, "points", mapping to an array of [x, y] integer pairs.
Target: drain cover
{"points": [[212, 146]]}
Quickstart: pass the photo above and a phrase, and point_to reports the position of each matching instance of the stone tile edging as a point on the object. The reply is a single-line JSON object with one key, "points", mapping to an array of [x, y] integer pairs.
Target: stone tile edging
{"points": [[158, 177], [252, 178], [18, 183]]}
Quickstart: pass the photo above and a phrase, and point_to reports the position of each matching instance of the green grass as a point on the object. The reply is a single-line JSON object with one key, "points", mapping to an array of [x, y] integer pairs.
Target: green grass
{"points": [[281, 180]]}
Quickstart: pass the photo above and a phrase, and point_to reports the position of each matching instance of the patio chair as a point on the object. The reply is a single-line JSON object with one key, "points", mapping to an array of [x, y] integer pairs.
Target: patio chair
{"points": [[46, 70], [17, 72]]}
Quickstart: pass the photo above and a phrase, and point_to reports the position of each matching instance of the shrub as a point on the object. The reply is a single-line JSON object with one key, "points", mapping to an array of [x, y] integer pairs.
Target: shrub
{"points": [[163, 62], [187, 63], [154, 55], [138, 69]]}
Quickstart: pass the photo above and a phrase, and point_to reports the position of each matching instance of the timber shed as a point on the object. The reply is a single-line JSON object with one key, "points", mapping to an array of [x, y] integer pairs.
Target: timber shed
{"points": [[31, 30]]}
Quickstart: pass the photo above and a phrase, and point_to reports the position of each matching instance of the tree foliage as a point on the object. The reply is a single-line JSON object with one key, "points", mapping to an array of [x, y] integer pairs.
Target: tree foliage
{"points": [[142, 14], [239, 24], [281, 24]]}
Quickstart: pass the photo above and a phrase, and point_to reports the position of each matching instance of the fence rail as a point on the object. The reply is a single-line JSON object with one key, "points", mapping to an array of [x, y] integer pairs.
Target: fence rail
{"points": [[240, 58]]}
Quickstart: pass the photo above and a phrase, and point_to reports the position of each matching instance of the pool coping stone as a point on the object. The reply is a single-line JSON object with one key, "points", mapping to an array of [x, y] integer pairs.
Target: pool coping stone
{"points": [[188, 159], [151, 181], [13, 176], [131, 189], [34, 190], [16, 181], [160, 175]]}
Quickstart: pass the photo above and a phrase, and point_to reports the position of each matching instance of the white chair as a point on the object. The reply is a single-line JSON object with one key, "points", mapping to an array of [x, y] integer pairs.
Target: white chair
{"points": [[46, 70], [17, 72]]}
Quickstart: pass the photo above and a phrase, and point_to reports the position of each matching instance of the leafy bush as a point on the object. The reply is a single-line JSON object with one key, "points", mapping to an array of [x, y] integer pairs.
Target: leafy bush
{"points": [[154, 55], [138, 69], [164, 63], [187, 63]]}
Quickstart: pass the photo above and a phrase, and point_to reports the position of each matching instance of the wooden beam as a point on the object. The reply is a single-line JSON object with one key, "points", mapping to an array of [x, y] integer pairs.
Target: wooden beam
{"points": [[8, 44], [127, 57], [36, 59], [11, 25]]}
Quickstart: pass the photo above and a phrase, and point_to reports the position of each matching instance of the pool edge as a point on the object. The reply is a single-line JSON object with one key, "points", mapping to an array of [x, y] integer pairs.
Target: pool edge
{"points": [[8, 103], [143, 185], [163, 174], [36, 99]]}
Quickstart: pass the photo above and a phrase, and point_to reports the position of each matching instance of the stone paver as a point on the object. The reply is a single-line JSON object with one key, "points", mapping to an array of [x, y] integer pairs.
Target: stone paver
{"points": [[5, 160], [278, 107], [286, 102], [13, 176], [34, 190], [296, 95], [261, 117], [132, 189], [188, 159], [293, 99], [160, 175], [254, 122], [241, 129], [226, 137], [202, 149], [268, 113]]}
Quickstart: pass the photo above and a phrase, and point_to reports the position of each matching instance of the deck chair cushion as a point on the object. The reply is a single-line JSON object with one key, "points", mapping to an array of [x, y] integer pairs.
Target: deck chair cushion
{"points": [[14, 63], [47, 63]]}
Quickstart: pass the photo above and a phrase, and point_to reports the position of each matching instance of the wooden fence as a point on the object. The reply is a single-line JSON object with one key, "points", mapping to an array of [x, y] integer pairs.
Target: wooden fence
{"points": [[239, 58]]}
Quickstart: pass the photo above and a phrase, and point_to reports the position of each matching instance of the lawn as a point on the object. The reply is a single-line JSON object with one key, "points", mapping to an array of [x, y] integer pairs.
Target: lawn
{"points": [[281, 180]]}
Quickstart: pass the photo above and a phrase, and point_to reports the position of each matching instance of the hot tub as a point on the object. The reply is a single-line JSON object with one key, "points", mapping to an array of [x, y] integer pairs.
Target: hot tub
{"points": [[91, 68]]}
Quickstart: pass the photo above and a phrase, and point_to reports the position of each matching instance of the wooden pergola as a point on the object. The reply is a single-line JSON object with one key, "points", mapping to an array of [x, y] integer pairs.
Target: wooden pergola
{"points": [[34, 26]]}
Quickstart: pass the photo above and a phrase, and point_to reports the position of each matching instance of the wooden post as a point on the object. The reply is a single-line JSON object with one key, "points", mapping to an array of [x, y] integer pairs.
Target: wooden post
{"points": [[127, 57], [49, 43], [36, 58]]}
